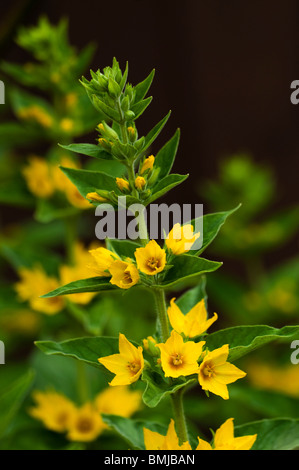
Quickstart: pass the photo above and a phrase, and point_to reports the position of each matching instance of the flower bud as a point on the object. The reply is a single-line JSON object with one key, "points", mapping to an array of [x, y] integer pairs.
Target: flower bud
{"points": [[122, 184], [147, 164], [140, 182]]}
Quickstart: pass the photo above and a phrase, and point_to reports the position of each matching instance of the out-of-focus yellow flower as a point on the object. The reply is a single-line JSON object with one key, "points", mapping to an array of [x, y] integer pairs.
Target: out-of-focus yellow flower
{"points": [[127, 365], [283, 379], [103, 259], [122, 184], [67, 124], [86, 424], [71, 99], [147, 164], [120, 401], [95, 197], [124, 274], [82, 268], [75, 198], [36, 113], [25, 322], [54, 410], [155, 441], [179, 358], [224, 439], [38, 177], [59, 178], [215, 372], [194, 323], [181, 238], [151, 259], [140, 183], [34, 283]]}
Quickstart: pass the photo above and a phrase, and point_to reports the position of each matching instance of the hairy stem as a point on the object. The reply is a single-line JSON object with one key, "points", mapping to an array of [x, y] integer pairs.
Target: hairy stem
{"points": [[179, 416], [162, 313]]}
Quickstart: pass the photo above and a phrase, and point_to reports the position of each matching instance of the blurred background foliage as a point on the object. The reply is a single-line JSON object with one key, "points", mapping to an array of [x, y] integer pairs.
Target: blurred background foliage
{"points": [[47, 229]]}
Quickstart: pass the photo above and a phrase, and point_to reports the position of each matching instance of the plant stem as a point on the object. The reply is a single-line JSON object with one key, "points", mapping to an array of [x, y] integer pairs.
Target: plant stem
{"points": [[82, 387], [179, 416], [162, 312]]}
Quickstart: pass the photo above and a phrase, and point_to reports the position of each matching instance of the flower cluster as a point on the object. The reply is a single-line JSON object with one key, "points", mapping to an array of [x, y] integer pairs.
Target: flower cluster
{"points": [[178, 357], [83, 423]]}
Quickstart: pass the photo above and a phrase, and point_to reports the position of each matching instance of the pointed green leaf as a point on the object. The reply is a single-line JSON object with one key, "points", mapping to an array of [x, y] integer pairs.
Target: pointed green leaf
{"points": [[93, 284], [142, 88], [158, 387], [88, 181], [131, 430], [153, 134], [88, 350], [211, 225], [90, 150], [272, 434], [186, 268], [165, 185], [125, 248], [166, 156], [244, 339], [139, 108]]}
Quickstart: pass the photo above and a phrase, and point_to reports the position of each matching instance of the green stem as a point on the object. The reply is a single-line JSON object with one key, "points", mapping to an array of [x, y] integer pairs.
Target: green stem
{"points": [[82, 387], [162, 313], [179, 416]]}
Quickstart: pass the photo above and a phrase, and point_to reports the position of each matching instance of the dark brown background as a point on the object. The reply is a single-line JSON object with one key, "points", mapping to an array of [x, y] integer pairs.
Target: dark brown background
{"points": [[223, 67]]}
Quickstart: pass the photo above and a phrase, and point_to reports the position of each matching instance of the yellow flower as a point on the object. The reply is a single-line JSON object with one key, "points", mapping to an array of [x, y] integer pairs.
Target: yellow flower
{"points": [[179, 358], [38, 177], [54, 410], [120, 401], [95, 197], [283, 379], [194, 323], [35, 283], [36, 113], [124, 274], [215, 373], [67, 124], [156, 441], [86, 424], [148, 340], [147, 164], [82, 268], [25, 322], [59, 178], [75, 198], [103, 260], [127, 365], [224, 439], [122, 184], [181, 238], [151, 259], [140, 182]]}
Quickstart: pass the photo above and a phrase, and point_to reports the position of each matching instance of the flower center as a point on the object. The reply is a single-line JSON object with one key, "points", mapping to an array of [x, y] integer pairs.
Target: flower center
{"points": [[134, 367], [152, 263], [127, 278], [177, 360], [62, 418], [84, 425], [208, 371]]}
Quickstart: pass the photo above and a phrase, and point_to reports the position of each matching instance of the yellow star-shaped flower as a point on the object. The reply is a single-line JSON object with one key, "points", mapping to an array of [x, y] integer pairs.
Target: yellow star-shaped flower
{"points": [[127, 365], [224, 439], [150, 259], [155, 441], [179, 358]]}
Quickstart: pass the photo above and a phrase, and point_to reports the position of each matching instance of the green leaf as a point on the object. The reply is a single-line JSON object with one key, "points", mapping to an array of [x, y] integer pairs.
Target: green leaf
{"points": [[272, 434], [104, 108], [93, 284], [123, 248], [244, 339], [211, 224], [131, 430], [165, 185], [88, 181], [192, 296], [139, 108], [48, 210], [88, 350], [153, 134], [166, 156], [142, 88], [90, 150], [188, 268], [12, 398], [158, 387]]}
